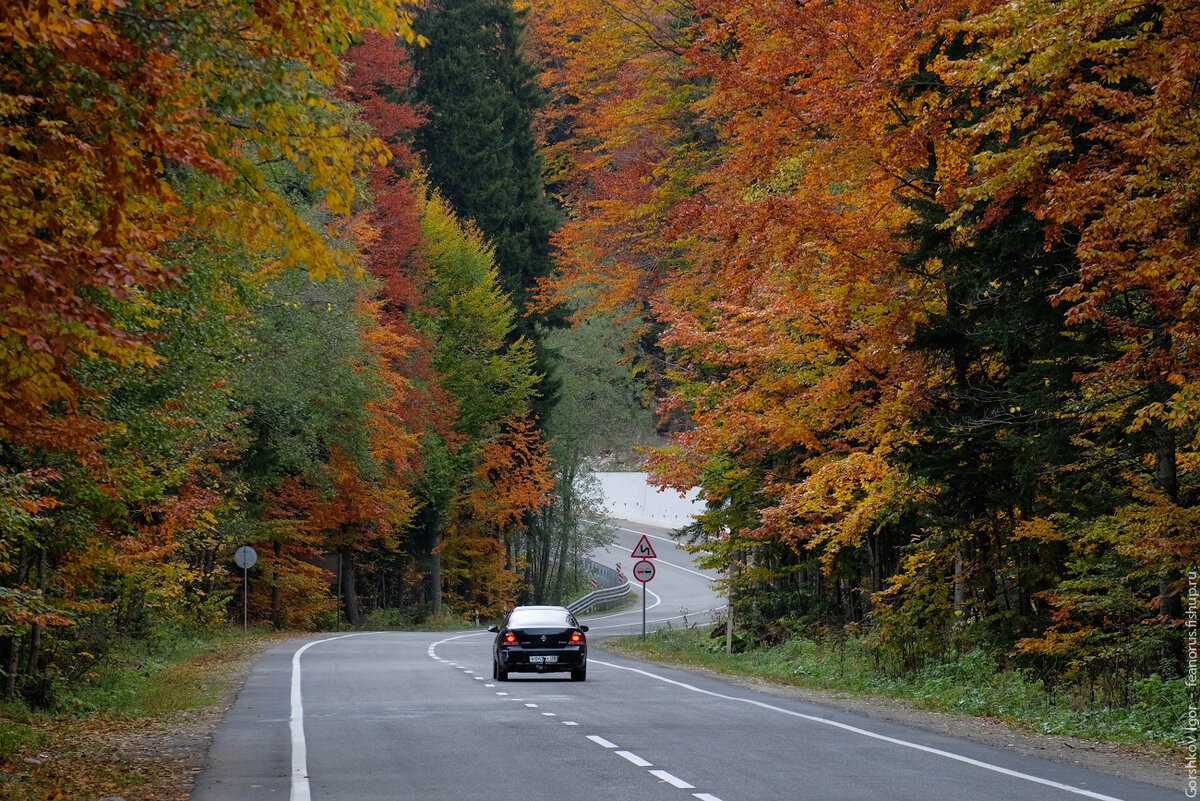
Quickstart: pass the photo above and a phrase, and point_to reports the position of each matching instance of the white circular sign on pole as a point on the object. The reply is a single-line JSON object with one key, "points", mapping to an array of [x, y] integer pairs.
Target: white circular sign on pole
{"points": [[245, 557], [643, 571]]}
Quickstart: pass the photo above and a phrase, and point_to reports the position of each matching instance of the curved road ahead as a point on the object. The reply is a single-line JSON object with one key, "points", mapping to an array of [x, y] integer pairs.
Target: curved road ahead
{"points": [[370, 716], [680, 594]]}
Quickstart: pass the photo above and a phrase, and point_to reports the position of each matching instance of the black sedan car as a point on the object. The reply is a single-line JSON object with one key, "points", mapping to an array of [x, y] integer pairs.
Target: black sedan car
{"points": [[539, 639]]}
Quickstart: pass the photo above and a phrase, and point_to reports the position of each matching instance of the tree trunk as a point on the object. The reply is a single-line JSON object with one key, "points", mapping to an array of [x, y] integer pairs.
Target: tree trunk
{"points": [[545, 546], [433, 582], [39, 690], [564, 548], [568, 528], [959, 589], [1166, 475], [276, 613], [354, 615], [33, 660], [13, 665]]}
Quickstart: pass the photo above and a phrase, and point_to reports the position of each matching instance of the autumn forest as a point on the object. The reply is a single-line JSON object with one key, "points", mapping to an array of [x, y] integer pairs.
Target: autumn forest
{"points": [[909, 289]]}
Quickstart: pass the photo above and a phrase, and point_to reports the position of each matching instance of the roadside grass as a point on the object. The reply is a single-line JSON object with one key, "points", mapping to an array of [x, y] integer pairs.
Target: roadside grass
{"points": [[419, 620], [974, 684], [99, 737]]}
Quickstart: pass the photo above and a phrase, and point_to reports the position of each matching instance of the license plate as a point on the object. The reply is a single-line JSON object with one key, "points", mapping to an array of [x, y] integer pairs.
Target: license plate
{"points": [[543, 660]]}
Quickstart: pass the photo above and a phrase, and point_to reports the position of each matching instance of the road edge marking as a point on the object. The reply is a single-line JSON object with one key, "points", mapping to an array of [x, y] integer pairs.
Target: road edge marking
{"points": [[300, 789], [873, 735]]}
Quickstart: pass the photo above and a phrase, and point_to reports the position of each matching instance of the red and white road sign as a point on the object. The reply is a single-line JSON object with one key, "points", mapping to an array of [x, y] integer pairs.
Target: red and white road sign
{"points": [[643, 571], [644, 549]]}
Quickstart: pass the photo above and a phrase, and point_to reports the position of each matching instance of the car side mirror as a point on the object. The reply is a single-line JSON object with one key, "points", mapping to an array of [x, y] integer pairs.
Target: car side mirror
{"points": [[494, 628], [583, 628]]}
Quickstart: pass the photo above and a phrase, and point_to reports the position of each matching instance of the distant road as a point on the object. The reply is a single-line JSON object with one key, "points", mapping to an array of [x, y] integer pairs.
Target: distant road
{"points": [[680, 594], [415, 716]]}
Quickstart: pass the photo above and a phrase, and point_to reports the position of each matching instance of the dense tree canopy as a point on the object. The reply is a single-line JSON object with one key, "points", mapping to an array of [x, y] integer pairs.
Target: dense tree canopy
{"points": [[916, 283], [925, 274], [207, 333]]}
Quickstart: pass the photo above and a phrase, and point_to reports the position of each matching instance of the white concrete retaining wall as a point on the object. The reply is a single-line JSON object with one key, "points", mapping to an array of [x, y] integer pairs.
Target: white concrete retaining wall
{"points": [[627, 496]]}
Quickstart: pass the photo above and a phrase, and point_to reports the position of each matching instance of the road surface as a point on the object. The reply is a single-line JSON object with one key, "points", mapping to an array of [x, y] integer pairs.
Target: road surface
{"points": [[370, 716]]}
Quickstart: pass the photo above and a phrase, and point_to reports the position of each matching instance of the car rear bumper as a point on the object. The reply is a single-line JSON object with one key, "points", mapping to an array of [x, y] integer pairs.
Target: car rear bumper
{"points": [[522, 660]]}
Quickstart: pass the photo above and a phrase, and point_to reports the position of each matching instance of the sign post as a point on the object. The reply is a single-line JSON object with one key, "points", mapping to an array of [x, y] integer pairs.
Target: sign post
{"points": [[643, 571], [245, 557]]}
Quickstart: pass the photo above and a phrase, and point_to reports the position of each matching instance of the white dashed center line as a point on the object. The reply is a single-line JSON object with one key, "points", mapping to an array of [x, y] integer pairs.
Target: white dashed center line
{"points": [[674, 781], [629, 756], [634, 758]]}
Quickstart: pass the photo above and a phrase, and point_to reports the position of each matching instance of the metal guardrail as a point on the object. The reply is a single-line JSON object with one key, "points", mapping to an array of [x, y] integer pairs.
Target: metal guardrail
{"points": [[611, 594], [600, 599], [604, 575]]}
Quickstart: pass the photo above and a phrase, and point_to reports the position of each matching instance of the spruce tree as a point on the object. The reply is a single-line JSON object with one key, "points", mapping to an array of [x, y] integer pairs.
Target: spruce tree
{"points": [[478, 143]]}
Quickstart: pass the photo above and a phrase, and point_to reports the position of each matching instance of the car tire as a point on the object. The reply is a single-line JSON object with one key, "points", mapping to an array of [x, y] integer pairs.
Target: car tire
{"points": [[579, 675], [497, 673]]}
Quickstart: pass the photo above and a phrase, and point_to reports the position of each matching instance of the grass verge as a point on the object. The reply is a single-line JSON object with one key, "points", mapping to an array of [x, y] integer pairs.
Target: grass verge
{"points": [[975, 684], [138, 726]]}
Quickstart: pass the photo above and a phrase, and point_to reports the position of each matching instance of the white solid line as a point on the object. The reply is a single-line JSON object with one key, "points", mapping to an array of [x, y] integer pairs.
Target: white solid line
{"points": [[873, 735], [675, 781], [669, 618], [705, 796], [300, 788], [598, 740], [634, 758]]}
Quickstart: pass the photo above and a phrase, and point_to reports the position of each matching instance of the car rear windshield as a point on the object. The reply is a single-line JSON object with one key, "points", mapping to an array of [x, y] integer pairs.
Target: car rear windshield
{"points": [[536, 618]]}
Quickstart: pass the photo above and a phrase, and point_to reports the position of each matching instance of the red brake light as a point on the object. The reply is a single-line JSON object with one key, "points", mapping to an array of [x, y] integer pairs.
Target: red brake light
{"points": [[576, 636], [510, 637]]}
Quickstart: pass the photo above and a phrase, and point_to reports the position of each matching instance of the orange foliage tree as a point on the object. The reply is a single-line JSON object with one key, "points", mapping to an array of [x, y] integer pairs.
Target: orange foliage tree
{"points": [[924, 282], [139, 147], [480, 563], [1087, 115]]}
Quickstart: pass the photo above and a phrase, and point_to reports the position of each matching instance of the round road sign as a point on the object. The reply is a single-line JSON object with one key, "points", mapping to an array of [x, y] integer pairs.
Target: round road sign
{"points": [[643, 571], [245, 557]]}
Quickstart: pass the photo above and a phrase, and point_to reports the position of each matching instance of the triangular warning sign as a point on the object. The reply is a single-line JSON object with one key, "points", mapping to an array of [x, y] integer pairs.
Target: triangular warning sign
{"points": [[644, 550]]}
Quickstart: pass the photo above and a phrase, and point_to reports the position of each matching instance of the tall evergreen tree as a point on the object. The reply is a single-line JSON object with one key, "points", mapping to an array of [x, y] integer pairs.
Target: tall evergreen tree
{"points": [[479, 144]]}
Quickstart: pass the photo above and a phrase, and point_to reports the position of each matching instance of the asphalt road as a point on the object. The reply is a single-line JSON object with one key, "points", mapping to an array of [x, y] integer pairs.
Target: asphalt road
{"points": [[407, 715], [680, 594]]}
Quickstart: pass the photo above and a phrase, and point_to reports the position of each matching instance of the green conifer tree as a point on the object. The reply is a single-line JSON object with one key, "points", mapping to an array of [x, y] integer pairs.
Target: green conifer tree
{"points": [[479, 145]]}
